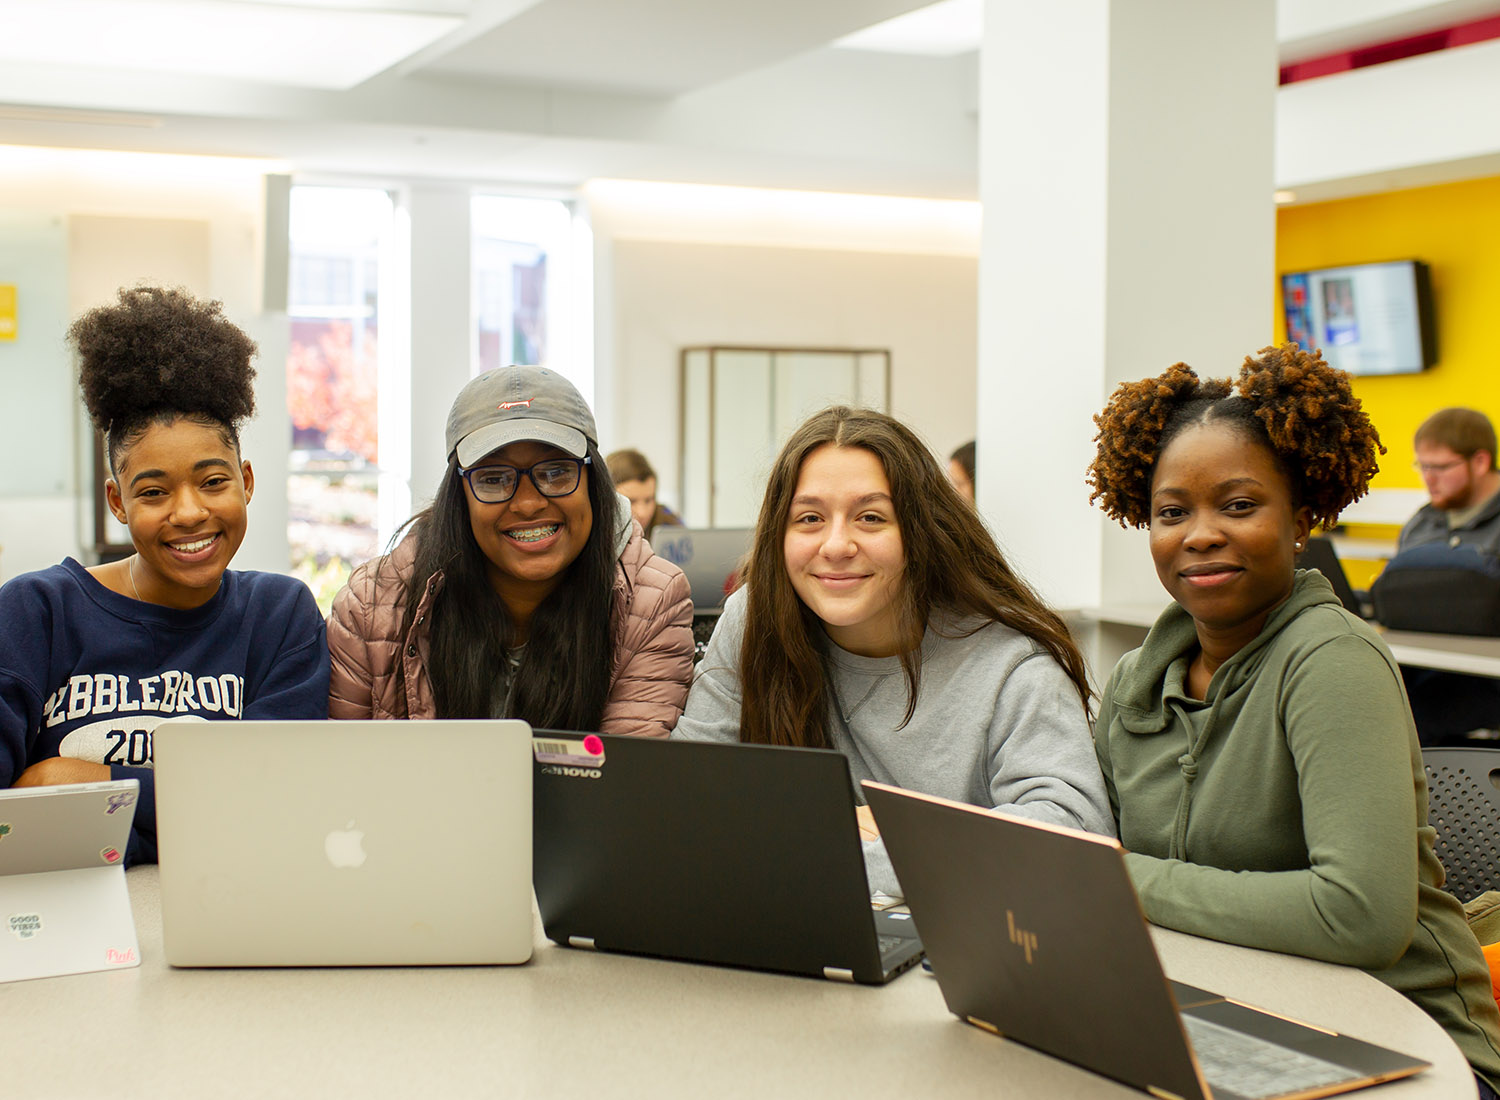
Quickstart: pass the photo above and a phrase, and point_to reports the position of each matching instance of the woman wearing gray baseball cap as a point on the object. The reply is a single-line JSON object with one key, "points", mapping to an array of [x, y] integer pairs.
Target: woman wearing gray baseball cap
{"points": [[525, 590]]}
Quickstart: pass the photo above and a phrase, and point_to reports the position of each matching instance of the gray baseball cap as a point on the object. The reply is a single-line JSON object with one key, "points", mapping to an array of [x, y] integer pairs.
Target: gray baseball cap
{"points": [[510, 404]]}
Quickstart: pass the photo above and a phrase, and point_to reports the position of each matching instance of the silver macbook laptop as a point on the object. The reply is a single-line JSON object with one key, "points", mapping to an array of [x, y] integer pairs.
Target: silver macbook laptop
{"points": [[1035, 933], [320, 843], [63, 898], [710, 557]]}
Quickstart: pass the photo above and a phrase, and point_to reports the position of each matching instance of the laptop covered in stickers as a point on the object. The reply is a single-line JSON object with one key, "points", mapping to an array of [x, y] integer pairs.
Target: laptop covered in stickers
{"points": [[64, 906]]}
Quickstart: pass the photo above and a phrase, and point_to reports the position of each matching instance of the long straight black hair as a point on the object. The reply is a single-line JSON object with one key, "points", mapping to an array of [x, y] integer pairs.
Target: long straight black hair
{"points": [[565, 672]]}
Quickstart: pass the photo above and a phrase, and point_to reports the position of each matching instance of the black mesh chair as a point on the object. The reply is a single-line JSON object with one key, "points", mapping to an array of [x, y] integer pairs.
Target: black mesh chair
{"points": [[1464, 808], [703, 629]]}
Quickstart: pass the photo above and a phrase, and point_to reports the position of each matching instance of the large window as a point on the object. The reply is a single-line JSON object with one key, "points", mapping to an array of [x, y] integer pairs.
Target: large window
{"points": [[524, 283], [338, 236]]}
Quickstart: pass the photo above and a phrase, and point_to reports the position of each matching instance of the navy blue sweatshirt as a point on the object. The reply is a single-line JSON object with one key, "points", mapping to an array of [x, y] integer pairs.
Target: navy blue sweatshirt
{"points": [[88, 673]]}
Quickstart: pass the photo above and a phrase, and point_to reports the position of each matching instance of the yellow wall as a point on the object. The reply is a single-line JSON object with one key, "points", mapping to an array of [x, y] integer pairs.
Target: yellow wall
{"points": [[1455, 228]]}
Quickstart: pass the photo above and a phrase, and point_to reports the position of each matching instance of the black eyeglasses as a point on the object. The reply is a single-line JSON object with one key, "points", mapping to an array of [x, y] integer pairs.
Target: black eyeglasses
{"points": [[553, 477]]}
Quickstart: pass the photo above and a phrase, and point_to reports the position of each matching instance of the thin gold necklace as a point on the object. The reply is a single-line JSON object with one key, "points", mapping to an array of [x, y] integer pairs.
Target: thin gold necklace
{"points": [[130, 568]]}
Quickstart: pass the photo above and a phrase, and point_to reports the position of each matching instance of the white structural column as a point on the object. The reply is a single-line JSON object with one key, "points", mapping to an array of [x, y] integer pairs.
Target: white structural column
{"points": [[442, 332], [1126, 172]]}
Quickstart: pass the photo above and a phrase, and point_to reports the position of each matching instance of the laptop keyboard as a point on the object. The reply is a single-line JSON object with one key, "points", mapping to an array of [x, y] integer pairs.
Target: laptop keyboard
{"points": [[1255, 1068]]}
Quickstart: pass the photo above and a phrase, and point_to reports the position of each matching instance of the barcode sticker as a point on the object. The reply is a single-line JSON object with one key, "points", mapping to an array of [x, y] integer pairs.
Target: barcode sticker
{"points": [[585, 752]]}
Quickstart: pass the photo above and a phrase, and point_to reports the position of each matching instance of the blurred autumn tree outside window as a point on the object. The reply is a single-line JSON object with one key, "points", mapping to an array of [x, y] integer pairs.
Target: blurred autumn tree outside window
{"points": [[332, 382]]}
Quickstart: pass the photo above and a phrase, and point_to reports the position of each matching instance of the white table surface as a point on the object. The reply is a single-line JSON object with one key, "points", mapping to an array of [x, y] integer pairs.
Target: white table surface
{"points": [[575, 1023]]}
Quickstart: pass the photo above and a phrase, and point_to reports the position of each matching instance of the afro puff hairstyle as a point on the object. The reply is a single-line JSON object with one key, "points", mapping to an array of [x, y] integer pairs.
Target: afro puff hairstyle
{"points": [[160, 355], [1291, 402]]}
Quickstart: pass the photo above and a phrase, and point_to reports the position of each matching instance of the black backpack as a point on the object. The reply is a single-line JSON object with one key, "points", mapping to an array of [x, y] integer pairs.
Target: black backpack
{"points": [[1440, 589]]}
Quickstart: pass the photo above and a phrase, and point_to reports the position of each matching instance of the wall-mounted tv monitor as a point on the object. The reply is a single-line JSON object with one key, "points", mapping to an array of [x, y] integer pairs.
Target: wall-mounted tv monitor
{"points": [[1368, 318]]}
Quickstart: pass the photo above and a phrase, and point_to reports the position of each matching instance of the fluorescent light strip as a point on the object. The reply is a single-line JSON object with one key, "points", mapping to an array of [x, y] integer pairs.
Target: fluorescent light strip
{"points": [[10, 113], [769, 216], [118, 164]]}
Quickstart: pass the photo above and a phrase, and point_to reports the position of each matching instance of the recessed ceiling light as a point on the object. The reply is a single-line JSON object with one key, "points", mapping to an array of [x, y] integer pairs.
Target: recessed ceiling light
{"points": [[944, 29], [275, 43]]}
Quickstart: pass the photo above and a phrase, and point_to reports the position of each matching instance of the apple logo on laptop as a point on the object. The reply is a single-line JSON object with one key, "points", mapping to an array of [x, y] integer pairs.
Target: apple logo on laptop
{"points": [[345, 847]]}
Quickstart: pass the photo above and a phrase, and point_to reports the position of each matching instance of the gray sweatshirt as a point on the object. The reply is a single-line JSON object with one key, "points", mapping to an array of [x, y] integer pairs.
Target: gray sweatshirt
{"points": [[998, 723]]}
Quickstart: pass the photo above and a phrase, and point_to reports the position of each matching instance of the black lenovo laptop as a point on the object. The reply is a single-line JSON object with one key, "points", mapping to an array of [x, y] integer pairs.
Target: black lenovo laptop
{"points": [[741, 855], [1035, 932]]}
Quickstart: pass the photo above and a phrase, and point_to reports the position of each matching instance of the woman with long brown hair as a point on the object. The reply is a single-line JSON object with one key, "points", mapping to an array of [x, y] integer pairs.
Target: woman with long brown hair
{"points": [[880, 619]]}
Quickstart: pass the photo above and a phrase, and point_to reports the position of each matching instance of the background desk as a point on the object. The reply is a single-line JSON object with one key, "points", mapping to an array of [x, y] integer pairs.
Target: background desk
{"points": [[1450, 652], [575, 1023], [1118, 628]]}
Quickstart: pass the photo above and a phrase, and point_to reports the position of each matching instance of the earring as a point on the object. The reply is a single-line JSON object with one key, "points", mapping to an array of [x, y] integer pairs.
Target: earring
{"points": [[1297, 546]]}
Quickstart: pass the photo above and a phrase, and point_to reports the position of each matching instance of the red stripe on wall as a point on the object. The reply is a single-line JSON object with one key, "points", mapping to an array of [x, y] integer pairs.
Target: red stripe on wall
{"points": [[1377, 53]]}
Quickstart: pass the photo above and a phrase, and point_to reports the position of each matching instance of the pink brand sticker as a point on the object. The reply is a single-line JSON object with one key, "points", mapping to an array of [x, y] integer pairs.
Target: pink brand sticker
{"points": [[110, 855], [113, 956], [581, 752]]}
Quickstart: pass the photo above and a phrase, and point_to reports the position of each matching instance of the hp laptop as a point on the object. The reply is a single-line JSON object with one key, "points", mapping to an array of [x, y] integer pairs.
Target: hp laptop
{"points": [[63, 898], [741, 855], [1321, 555], [318, 843], [710, 557], [1035, 932]]}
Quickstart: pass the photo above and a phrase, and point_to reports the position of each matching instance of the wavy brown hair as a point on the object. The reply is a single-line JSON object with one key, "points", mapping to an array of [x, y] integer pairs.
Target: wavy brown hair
{"points": [[952, 565], [1290, 401]]}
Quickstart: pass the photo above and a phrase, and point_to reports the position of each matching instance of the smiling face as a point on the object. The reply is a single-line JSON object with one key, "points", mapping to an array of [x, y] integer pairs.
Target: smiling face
{"points": [[843, 548], [529, 540], [182, 491], [1224, 532]]}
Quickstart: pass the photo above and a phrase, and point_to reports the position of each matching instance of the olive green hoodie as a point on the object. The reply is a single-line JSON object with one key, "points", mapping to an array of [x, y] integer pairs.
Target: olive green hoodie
{"points": [[1288, 810]]}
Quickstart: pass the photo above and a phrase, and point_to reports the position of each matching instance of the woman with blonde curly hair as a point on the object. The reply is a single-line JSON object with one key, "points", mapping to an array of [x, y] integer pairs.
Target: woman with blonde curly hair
{"points": [[1258, 749]]}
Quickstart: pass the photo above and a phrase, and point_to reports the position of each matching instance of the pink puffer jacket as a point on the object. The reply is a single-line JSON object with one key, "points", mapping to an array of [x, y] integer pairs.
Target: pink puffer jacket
{"points": [[653, 643]]}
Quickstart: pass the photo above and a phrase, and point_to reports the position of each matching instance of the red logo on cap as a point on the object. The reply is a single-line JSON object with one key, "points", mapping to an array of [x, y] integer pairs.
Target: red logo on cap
{"points": [[515, 404]]}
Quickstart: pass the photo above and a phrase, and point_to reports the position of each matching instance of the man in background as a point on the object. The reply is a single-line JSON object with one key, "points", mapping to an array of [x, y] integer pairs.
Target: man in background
{"points": [[1456, 456], [961, 470]]}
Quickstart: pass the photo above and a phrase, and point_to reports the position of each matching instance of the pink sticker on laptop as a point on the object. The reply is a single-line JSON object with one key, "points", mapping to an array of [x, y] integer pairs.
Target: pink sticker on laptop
{"points": [[581, 751]]}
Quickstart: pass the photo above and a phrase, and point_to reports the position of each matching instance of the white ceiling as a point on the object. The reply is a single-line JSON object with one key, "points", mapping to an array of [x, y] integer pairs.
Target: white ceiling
{"points": [[560, 91]]}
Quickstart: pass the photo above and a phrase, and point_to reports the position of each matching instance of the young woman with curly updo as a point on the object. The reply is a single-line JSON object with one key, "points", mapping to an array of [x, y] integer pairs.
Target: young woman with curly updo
{"points": [[92, 659], [880, 619], [1258, 750]]}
